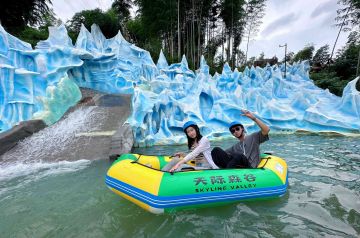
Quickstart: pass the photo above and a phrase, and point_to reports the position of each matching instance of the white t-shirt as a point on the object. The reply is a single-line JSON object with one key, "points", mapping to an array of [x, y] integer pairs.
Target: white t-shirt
{"points": [[202, 147]]}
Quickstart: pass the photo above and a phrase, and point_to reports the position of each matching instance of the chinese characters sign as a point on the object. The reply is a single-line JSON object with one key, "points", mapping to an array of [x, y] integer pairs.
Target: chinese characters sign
{"points": [[224, 183]]}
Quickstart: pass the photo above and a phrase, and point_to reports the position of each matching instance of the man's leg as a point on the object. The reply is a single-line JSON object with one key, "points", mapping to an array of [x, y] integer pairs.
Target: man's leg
{"points": [[239, 161], [220, 157]]}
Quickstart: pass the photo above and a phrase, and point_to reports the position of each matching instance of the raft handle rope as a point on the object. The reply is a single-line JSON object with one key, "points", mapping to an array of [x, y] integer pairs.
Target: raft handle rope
{"points": [[135, 161], [172, 173], [267, 159]]}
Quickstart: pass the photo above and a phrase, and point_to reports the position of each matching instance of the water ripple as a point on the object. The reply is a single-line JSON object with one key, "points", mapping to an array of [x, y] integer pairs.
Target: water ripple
{"points": [[69, 199]]}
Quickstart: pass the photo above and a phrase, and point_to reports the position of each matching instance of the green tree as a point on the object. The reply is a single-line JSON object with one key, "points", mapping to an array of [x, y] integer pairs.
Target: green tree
{"points": [[15, 15], [241, 59], [346, 61], [233, 15], [107, 21], [255, 11], [305, 54], [139, 35], [192, 27], [336, 76], [34, 33], [322, 55], [155, 25], [328, 79], [348, 16], [179, 27], [137, 31], [122, 8]]}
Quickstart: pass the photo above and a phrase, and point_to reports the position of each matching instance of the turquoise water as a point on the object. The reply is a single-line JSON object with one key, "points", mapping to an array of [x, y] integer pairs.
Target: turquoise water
{"points": [[70, 199]]}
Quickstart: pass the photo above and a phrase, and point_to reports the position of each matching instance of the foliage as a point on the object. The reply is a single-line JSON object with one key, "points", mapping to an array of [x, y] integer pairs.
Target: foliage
{"points": [[255, 11], [322, 55], [196, 27], [153, 45], [213, 28], [107, 21], [349, 15], [110, 21], [233, 15], [329, 80], [27, 20], [179, 26], [336, 75], [122, 8], [33, 35], [32, 28], [346, 62], [137, 31], [212, 46], [305, 54], [15, 15]]}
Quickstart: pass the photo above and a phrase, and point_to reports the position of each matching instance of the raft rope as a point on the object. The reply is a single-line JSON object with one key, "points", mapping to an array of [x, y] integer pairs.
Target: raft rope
{"points": [[135, 161], [267, 159]]}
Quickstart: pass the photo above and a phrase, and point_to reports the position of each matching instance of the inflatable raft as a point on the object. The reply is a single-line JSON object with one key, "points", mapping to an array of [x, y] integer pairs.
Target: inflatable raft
{"points": [[139, 179]]}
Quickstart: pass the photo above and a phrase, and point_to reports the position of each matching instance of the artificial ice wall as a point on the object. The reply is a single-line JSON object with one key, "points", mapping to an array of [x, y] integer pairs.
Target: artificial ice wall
{"points": [[42, 83]]}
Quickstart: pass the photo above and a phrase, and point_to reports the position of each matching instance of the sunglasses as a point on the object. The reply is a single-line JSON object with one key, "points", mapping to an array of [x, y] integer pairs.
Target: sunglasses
{"points": [[235, 129]]}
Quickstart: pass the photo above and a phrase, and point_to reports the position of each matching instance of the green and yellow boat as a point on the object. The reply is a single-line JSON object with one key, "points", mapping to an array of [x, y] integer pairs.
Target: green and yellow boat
{"points": [[139, 179]]}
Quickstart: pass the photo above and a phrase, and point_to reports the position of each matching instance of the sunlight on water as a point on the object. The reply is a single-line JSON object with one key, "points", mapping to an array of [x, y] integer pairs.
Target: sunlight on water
{"points": [[70, 199]]}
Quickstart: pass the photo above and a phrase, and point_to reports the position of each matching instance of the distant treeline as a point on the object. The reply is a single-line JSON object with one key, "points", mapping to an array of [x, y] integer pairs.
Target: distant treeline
{"points": [[213, 28]]}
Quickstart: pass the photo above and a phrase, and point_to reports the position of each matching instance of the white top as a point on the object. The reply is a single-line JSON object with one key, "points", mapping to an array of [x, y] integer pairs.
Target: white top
{"points": [[203, 147]]}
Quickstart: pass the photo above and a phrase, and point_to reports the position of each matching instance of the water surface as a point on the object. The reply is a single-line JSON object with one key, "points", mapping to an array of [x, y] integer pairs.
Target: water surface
{"points": [[70, 199]]}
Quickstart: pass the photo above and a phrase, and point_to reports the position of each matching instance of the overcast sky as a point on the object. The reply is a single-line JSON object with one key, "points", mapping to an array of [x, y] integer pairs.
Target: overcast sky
{"points": [[295, 22]]}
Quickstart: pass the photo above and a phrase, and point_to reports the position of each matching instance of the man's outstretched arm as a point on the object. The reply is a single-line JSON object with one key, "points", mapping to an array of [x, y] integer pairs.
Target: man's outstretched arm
{"points": [[264, 128]]}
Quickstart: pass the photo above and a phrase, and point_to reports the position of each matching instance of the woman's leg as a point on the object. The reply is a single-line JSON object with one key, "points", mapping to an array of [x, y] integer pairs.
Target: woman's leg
{"points": [[220, 157]]}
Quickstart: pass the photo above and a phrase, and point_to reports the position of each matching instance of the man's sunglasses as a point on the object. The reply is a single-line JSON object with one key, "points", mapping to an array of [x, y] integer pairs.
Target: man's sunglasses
{"points": [[235, 129]]}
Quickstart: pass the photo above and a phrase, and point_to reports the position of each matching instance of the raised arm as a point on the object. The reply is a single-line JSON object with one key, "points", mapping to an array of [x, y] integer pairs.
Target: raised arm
{"points": [[264, 128]]}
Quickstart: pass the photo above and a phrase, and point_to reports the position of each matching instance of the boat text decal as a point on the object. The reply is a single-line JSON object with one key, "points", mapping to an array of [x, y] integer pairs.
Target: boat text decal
{"points": [[224, 183]]}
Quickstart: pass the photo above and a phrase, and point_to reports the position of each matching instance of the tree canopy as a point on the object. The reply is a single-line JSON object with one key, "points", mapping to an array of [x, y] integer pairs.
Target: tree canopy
{"points": [[349, 14], [305, 54], [107, 21], [15, 15], [322, 55], [213, 28]]}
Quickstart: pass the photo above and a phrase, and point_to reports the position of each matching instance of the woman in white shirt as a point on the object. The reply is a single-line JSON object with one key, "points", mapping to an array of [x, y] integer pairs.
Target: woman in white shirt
{"points": [[200, 151]]}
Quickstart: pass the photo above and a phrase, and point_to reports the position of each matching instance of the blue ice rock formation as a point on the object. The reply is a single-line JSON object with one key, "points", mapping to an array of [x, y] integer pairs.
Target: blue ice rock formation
{"points": [[286, 104], [43, 83], [35, 82], [162, 62], [111, 65]]}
